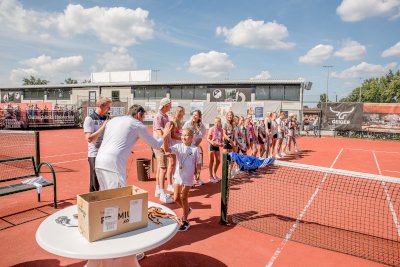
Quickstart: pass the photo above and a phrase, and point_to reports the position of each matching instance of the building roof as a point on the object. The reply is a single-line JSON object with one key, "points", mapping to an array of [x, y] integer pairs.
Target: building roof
{"points": [[156, 83]]}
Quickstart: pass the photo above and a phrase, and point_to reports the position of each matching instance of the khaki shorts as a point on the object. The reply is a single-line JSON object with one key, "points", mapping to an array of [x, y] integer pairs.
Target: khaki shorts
{"points": [[161, 158]]}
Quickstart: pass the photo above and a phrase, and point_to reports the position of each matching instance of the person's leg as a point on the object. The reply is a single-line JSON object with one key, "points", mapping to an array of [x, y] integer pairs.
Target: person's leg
{"points": [[177, 194], [185, 202], [211, 164], [170, 172], [217, 163], [108, 180], [93, 182]]}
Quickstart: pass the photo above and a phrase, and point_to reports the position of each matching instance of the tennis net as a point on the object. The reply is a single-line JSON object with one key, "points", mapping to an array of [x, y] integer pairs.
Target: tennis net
{"points": [[18, 144], [348, 212]]}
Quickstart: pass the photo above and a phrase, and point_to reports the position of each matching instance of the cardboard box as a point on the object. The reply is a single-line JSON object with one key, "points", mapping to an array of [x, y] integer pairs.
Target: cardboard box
{"points": [[111, 212]]}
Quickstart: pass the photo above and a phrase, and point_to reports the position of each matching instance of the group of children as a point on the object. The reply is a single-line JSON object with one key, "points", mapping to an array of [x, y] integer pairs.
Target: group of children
{"points": [[269, 137]]}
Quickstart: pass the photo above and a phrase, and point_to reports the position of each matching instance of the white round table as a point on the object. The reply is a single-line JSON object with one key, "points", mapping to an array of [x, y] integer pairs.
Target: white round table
{"points": [[68, 242]]}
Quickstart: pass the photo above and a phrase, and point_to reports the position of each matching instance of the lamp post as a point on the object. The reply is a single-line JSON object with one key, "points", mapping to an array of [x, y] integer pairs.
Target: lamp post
{"points": [[327, 82]]}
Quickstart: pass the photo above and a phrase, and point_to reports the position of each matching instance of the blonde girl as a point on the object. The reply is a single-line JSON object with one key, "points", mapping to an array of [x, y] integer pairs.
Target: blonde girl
{"points": [[215, 141], [175, 138]]}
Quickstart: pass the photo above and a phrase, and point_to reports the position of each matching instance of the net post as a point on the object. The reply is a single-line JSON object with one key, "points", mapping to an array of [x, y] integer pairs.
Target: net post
{"points": [[224, 189], [37, 147]]}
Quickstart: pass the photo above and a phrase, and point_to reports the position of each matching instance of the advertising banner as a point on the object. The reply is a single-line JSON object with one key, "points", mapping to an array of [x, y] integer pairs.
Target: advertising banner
{"points": [[255, 110], [343, 116], [151, 111], [230, 94], [381, 117], [7, 96]]}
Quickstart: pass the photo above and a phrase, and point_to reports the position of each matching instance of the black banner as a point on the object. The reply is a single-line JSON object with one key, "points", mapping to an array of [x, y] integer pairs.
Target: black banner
{"points": [[343, 116], [230, 94]]}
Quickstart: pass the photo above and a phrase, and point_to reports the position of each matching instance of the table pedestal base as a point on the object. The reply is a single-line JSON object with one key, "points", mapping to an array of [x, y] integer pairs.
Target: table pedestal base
{"points": [[128, 261]]}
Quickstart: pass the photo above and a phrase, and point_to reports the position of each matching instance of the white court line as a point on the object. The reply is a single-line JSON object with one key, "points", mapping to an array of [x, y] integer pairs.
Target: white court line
{"points": [[61, 155], [278, 251], [392, 210], [371, 150]]}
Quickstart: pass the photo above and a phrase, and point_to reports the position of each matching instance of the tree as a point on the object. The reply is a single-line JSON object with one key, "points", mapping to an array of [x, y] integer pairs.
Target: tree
{"points": [[322, 99], [70, 81], [34, 81], [385, 89], [86, 81]]}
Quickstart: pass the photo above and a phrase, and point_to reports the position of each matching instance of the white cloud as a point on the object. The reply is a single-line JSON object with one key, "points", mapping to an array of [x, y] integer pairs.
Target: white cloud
{"points": [[351, 50], [256, 34], [263, 75], [392, 51], [117, 60], [364, 70], [117, 26], [356, 10], [211, 64], [47, 68], [14, 18], [317, 54]]}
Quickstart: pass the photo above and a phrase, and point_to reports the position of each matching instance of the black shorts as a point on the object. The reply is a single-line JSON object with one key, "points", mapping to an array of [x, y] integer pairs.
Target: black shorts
{"points": [[260, 141], [227, 144], [275, 136], [213, 148]]}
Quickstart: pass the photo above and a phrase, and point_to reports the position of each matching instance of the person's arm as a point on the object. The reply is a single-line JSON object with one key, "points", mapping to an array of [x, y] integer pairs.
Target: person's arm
{"points": [[174, 135], [150, 140], [210, 135], [197, 168], [92, 136]]}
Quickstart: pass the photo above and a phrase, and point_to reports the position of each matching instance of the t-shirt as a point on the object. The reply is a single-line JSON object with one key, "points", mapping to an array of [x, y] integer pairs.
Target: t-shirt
{"points": [[91, 124], [186, 157], [121, 133], [199, 131], [228, 130], [216, 134], [159, 122]]}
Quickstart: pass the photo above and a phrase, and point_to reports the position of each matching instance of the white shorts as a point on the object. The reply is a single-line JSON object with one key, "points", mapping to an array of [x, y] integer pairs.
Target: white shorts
{"points": [[110, 180], [180, 181]]}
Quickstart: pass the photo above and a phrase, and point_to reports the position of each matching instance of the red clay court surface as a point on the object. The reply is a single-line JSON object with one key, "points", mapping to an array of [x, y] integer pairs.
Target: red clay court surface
{"points": [[206, 243]]}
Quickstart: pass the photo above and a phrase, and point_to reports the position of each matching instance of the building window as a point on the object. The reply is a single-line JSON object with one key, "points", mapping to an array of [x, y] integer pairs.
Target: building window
{"points": [[292, 92], [115, 96], [33, 95], [188, 92], [57, 94], [176, 92], [161, 92], [200, 92], [150, 93], [139, 93], [92, 96], [276, 92], [262, 93]]}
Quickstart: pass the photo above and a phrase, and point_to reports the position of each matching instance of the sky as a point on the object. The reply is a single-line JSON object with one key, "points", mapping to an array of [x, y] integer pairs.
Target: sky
{"points": [[206, 40]]}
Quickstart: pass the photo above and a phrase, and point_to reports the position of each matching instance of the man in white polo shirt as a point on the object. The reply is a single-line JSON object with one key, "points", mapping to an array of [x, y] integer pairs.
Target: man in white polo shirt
{"points": [[120, 135]]}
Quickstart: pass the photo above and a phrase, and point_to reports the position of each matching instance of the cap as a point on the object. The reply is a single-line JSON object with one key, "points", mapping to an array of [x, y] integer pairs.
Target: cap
{"points": [[164, 101]]}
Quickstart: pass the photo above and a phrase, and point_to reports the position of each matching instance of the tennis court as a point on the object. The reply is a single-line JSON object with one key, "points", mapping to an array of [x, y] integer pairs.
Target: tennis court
{"points": [[207, 242]]}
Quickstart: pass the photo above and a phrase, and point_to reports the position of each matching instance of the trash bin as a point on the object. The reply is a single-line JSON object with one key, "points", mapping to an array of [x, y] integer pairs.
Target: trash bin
{"points": [[143, 169]]}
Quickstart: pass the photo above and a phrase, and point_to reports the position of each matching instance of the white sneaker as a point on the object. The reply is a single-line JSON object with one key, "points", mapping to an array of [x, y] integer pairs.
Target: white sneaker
{"points": [[283, 155], [278, 156], [165, 198], [200, 182], [170, 188], [212, 180], [157, 192]]}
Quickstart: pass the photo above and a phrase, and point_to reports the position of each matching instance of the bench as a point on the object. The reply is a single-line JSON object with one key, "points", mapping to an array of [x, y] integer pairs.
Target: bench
{"points": [[15, 170]]}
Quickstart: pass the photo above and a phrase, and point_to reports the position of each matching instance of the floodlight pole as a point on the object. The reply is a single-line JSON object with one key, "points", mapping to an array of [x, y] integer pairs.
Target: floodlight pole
{"points": [[327, 82]]}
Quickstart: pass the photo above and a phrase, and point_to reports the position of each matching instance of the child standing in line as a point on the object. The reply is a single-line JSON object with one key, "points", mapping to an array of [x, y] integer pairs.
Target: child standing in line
{"points": [[215, 140], [242, 137], [187, 165]]}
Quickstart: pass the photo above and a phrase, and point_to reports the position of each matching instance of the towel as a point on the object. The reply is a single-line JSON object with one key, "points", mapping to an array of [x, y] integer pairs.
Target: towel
{"points": [[36, 181]]}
